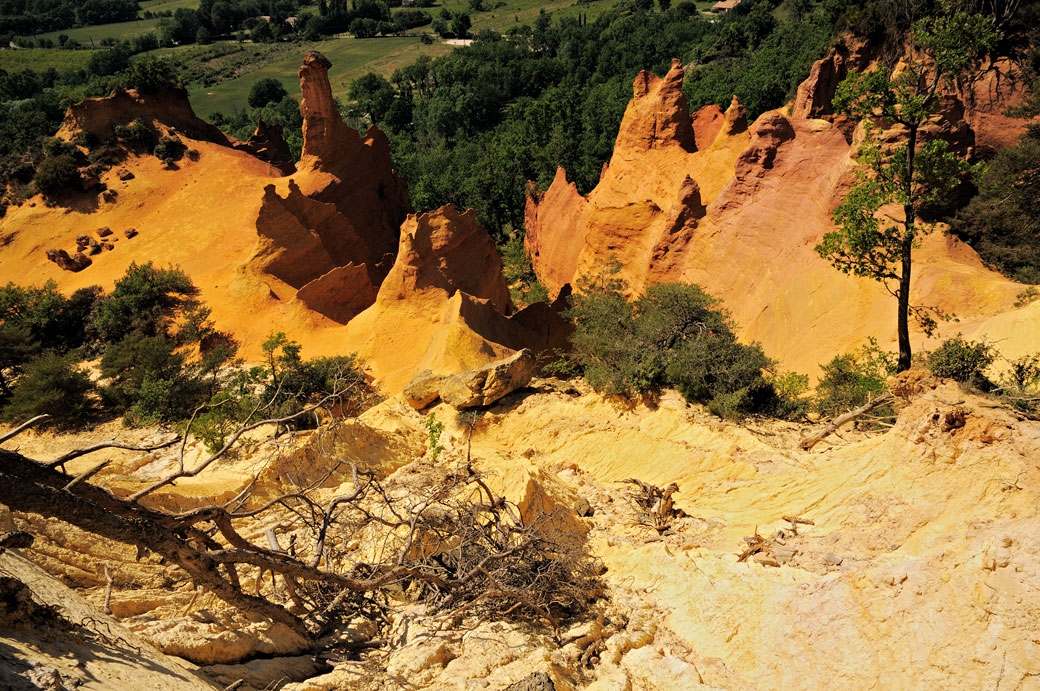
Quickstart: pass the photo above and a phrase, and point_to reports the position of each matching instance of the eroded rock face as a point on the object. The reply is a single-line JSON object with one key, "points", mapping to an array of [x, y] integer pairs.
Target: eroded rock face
{"points": [[657, 116], [444, 306], [446, 250], [268, 144], [168, 109], [341, 167], [666, 167], [741, 214]]}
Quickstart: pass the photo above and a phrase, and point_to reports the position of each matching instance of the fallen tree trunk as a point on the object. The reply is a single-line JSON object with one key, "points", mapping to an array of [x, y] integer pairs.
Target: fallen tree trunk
{"points": [[813, 439]]}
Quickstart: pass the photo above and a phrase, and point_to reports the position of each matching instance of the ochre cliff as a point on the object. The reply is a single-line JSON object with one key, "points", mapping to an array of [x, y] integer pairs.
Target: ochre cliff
{"points": [[741, 215], [444, 304], [344, 168], [301, 254], [165, 110]]}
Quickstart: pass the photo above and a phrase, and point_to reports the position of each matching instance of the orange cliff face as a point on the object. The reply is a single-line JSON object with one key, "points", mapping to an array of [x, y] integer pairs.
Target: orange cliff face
{"points": [[444, 305], [739, 211], [321, 254], [266, 253]]}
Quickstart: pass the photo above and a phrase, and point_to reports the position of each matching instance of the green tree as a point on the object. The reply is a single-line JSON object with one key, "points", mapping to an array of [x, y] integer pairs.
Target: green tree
{"points": [[51, 384], [460, 24], [16, 347], [264, 91], [868, 242], [145, 300], [56, 174]]}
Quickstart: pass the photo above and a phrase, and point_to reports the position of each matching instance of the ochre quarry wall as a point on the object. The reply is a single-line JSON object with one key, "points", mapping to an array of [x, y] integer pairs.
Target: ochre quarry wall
{"points": [[739, 209]]}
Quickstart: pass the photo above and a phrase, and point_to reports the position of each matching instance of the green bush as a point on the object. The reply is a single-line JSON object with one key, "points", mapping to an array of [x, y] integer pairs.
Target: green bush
{"points": [[852, 379], [51, 384], [150, 75], [146, 300], [963, 361], [135, 134], [55, 322], [674, 335], [169, 149], [524, 286], [56, 174]]}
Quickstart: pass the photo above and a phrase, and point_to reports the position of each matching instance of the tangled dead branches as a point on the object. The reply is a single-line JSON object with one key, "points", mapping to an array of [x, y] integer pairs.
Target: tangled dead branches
{"points": [[444, 538]]}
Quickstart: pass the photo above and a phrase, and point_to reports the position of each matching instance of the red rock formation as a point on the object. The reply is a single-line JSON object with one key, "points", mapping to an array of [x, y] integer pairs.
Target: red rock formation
{"points": [[649, 201], [268, 144], [341, 294], [447, 251], [444, 303], [555, 256], [741, 215], [341, 167], [657, 116], [167, 110]]}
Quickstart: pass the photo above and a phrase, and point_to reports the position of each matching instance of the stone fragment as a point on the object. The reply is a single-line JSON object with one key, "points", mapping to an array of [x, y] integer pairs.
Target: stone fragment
{"points": [[766, 559], [483, 386], [536, 681], [76, 262], [423, 389], [582, 507], [130, 232], [104, 232], [125, 174]]}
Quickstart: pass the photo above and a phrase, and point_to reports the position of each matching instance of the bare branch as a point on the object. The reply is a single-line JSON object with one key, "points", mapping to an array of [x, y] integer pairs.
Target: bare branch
{"points": [[110, 444], [22, 427]]}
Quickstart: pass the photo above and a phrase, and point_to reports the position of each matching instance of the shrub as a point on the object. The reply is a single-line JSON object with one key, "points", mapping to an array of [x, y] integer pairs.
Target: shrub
{"points": [[135, 134], [169, 149], [56, 174], [963, 361], [145, 300], [51, 384], [150, 75], [674, 335], [852, 379], [524, 286], [54, 321]]}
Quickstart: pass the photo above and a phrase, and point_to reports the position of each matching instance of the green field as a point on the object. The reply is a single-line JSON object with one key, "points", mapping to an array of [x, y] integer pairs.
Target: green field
{"points": [[93, 35], [350, 57], [163, 5], [40, 59]]}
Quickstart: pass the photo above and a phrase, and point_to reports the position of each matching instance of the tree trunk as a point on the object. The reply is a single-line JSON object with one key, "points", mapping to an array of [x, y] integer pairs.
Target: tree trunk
{"points": [[909, 219], [903, 325]]}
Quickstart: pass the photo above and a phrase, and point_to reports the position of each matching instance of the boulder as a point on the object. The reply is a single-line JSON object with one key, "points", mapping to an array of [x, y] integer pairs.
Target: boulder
{"points": [[130, 232], [483, 386], [104, 232], [124, 174], [423, 389], [76, 262]]}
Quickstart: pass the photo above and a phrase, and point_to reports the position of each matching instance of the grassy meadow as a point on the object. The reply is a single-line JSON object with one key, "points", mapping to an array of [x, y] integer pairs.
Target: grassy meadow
{"points": [[220, 75], [41, 59], [350, 57]]}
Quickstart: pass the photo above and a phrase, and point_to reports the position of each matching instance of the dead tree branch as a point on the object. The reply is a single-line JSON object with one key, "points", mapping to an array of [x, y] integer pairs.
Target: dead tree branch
{"points": [[21, 428], [811, 440]]}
